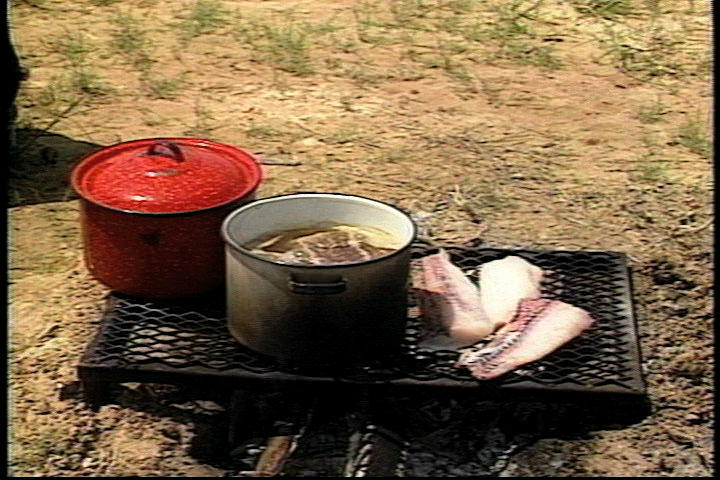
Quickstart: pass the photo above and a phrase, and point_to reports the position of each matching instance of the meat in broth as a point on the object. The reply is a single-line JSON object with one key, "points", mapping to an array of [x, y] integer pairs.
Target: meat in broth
{"points": [[328, 245]]}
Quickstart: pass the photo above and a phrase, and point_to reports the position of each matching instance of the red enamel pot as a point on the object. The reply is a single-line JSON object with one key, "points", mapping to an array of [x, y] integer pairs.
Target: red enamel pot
{"points": [[151, 212]]}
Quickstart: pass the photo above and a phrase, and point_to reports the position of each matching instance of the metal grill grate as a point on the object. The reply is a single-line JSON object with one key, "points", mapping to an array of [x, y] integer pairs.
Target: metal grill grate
{"points": [[141, 340]]}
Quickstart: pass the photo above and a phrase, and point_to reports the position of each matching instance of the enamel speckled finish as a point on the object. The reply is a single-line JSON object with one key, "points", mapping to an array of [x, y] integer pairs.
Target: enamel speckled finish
{"points": [[151, 213]]}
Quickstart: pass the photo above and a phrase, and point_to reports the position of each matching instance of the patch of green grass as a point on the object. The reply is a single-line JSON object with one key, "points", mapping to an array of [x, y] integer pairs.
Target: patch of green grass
{"points": [[605, 8], [162, 87], [390, 23], [130, 40], [508, 22], [654, 6], [483, 200], [89, 82], [411, 13], [704, 66], [693, 136], [370, 30], [344, 45], [367, 74], [283, 45], [650, 169], [156, 121], [444, 57], [516, 40], [462, 6], [407, 73], [74, 46], [653, 112], [202, 127], [365, 14], [527, 53], [27, 455], [205, 16], [394, 155], [261, 130], [50, 94], [446, 36], [648, 52], [344, 136], [492, 91], [508, 34], [104, 3], [57, 100]]}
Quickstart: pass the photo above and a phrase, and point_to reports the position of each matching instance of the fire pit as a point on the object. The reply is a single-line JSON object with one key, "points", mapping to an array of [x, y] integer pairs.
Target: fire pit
{"points": [[188, 344]]}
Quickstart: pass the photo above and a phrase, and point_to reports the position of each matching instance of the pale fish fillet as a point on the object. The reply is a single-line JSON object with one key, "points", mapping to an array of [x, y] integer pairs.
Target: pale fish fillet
{"points": [[540, 326], [449, 302], [503, 283]]}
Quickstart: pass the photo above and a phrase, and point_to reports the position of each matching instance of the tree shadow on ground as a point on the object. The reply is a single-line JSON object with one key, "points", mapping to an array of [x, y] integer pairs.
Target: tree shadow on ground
{"points": [[40, 166]]}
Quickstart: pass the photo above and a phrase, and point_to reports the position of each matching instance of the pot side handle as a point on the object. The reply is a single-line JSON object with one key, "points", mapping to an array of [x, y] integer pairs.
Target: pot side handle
{"points": [[305, 288]]}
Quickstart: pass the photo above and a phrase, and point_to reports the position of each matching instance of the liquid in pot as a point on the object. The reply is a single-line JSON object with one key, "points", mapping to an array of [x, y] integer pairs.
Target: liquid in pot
{"points": [[325, 245]]}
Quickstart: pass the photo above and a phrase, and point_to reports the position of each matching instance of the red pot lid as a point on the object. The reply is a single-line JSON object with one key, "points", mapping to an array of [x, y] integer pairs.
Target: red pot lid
{"points": [[166, 175]]}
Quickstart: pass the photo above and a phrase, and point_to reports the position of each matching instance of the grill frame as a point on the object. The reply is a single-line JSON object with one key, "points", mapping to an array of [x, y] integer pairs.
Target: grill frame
{"points": [[599, 281]]}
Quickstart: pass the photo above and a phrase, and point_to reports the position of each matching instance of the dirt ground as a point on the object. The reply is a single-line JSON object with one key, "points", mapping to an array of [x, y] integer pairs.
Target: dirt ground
{"points": [[551, 124]]}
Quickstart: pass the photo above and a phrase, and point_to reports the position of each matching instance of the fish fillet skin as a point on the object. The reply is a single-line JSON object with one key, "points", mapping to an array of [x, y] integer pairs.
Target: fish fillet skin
{"points": [[539, 327], [504, 283], [449, 300]]}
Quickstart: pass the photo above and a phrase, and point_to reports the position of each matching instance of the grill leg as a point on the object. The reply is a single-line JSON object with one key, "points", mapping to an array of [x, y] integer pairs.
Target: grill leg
{"points": [[242, 416], [265, 412], [96, 393]]}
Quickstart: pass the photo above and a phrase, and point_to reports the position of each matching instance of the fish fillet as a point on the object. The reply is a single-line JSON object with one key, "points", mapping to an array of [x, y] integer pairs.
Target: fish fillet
{"points": [[449, 301], [539, 327], [504, 283]]}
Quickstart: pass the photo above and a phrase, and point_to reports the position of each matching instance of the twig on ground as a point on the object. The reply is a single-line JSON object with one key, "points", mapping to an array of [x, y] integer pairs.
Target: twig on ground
{"points": [[279, 161], [699, 228]]}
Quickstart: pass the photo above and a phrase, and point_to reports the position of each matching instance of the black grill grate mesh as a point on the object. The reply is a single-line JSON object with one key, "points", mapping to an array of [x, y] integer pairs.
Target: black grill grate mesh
{"points": [[178, 339]]}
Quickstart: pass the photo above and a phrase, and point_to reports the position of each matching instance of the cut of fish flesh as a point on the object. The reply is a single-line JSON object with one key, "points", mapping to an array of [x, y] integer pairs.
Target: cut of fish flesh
{"points": [[538, 328], [504, 283], [449, 303]]}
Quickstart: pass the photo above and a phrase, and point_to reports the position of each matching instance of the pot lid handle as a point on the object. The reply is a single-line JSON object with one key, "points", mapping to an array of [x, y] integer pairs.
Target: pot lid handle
{"points": [[174, 151]]}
